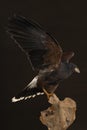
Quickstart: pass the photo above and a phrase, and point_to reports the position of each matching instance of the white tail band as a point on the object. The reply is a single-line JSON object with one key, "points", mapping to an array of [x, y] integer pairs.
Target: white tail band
{"points": [[14, 99]]}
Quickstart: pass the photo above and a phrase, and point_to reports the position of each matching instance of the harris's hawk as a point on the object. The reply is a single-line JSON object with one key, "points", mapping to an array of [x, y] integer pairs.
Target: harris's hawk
{"points": [[44, 54]]}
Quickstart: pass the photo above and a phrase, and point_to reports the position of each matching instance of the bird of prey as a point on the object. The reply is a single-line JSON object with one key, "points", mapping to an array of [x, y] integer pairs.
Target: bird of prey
{"points": [[44, 54]]}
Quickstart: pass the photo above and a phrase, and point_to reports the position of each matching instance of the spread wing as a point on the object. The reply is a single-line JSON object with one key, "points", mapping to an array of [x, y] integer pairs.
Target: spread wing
{"points": [[67, 56], [41, 48]]}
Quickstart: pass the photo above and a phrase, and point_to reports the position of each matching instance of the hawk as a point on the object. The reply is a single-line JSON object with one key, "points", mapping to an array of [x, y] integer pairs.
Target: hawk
{"points": [[45, 56]]}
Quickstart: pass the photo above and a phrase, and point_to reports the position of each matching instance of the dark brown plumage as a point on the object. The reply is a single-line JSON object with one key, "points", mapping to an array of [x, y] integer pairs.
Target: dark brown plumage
{"points": [[45, 55]]}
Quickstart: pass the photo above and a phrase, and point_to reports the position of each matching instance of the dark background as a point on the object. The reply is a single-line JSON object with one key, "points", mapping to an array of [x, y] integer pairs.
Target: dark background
{"points": [[67, 21]]}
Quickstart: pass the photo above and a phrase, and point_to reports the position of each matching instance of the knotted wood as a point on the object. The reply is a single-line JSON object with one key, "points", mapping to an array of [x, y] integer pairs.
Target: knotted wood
{"points": [[60, 115]]}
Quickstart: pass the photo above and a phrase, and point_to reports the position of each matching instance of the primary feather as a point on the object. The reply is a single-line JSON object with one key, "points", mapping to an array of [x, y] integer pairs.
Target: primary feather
{"points": [[41, 48]]}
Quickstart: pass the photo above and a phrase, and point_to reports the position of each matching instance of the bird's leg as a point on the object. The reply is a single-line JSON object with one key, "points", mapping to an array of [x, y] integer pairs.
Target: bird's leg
{"points": [[48, 94]]}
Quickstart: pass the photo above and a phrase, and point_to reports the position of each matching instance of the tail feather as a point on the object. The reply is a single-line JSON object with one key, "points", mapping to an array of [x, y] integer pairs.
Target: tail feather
{"points": [[31, 91], [27, 94]]}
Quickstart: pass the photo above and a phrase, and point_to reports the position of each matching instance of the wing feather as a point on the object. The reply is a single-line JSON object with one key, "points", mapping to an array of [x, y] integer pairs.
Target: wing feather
{"points": [[40, 47], [67, 56]]}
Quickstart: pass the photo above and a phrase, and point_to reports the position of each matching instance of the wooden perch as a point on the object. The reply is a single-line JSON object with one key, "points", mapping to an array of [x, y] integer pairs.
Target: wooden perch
{"points": [[60, 115]]}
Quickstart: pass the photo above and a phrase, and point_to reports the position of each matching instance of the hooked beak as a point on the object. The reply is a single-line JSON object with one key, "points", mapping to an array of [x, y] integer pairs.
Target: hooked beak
{"points": [[77, 70]]}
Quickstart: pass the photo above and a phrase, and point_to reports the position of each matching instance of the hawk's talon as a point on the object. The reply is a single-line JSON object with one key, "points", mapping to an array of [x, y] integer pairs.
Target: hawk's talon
{"points": [[48, 94]]}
